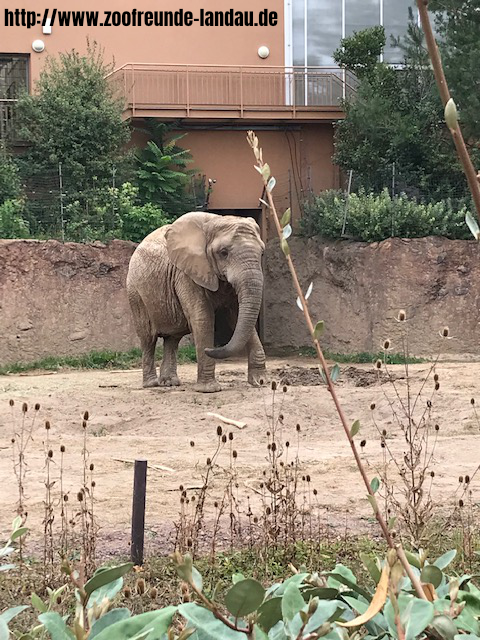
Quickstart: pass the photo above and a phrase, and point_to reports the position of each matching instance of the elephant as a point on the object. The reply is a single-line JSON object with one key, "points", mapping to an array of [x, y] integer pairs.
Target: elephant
{"points": [[179, 276]]}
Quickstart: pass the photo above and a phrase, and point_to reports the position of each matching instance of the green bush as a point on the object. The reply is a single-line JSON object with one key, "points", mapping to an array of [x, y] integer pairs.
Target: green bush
{"points": [[12, 223], [373, 217]]}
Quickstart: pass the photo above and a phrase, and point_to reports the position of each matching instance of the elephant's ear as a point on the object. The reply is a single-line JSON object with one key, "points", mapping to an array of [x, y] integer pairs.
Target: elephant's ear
{"points": [[186, 246]]}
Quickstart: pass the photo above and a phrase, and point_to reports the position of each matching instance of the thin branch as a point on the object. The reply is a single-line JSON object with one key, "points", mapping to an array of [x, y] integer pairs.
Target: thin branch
{"points": [[264, 171]]}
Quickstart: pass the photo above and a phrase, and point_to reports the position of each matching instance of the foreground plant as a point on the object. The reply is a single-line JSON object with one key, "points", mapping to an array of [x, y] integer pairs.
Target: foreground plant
{"points": [[284, 231]]}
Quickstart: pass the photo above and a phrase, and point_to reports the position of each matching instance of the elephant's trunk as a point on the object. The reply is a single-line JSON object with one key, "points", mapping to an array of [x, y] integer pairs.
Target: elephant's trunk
{"points": [[249, 291]]}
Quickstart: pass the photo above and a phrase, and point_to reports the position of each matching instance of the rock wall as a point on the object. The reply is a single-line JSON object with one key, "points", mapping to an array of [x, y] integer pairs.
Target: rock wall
{"points": [[63, 299], [358, 289]]}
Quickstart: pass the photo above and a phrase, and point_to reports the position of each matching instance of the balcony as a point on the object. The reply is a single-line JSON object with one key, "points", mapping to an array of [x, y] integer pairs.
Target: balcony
{"points": [[230, 92]]}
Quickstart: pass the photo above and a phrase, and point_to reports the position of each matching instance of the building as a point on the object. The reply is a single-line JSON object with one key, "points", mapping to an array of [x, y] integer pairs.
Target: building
{"points": [[275, 74]]}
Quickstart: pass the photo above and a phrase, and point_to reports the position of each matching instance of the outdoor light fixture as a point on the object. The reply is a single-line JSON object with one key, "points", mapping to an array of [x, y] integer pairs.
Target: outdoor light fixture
{"points": [[47, 27], [38, 46], [263, 51]]}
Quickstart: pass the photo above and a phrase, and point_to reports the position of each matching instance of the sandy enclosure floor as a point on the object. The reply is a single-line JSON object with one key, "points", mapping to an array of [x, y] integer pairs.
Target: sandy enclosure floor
{"points": [[128, 422]]}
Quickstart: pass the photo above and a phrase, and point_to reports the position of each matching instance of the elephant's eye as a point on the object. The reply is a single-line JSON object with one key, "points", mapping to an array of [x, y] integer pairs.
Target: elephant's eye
{"points": [[223, 253]]}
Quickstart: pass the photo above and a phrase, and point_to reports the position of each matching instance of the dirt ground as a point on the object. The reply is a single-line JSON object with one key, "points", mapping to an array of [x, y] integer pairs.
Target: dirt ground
{"points": [[128, 422]]}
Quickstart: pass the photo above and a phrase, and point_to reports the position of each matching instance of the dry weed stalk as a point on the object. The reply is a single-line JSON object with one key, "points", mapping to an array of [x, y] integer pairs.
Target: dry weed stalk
{"points": [[284, 230]]}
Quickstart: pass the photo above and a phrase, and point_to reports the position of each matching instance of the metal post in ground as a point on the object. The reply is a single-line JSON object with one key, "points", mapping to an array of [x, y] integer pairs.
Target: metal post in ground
{"points": [[138, 511], [62, 218], [346, 201]]}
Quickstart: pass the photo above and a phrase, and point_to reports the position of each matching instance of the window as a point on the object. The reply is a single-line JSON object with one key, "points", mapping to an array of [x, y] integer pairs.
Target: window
{"points": [[328, 21], [13, 76]]}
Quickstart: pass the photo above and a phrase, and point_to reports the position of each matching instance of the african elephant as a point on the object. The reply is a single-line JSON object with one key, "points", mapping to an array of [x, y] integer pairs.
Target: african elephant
{"points": [[179, 275]]}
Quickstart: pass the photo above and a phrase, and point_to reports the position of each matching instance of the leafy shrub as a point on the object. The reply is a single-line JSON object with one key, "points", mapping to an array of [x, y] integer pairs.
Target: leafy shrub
{"points": [[10, 183], [12, 222], [371, 217]]}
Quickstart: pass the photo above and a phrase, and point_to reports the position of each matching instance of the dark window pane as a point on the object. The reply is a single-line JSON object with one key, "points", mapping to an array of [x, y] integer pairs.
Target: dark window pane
{"points": [[13, 76]]}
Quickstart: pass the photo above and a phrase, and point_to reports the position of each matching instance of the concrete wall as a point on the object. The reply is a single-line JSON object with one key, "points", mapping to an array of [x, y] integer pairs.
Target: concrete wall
{"points": [[358, 289], [67, 299], [63, 299]]}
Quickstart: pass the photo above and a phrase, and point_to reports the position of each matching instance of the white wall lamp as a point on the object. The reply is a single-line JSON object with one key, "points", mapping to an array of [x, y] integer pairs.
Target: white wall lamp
{"points": [[47, 27], [263, 52], [38, 46]]}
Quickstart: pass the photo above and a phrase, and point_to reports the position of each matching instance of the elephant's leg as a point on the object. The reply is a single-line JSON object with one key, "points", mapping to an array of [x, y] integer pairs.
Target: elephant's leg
{"points": [[148, 344], [203, 335], [256, 360], [168, 369], [148, 338]]}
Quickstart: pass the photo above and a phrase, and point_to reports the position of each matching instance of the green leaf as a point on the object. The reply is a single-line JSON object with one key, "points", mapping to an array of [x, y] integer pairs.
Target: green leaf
{"points": [[4, 632], [265, 171], [416, 618], [18, 532], [432, 574], [443, 561], [413, 559], [237, 577], [318, 331], [375, 485], [244, 597], [373, 503], [284, 246], [9, 614], [286, 217], [108, 591], [372, 567], [325, 611], [197, 578], [269, 613], [38, 603], [55, 625], [472, 224], [445, 627], [335, 373], [286, 231], [116, 615], [355, 428], [152, 625], [271, 184], [208, 627], [259, 634], [292, 602], [105, 576]]}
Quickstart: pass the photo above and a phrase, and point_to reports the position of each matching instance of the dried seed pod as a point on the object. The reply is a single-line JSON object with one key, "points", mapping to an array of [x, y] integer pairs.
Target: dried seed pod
{"points": [[402, 315]]}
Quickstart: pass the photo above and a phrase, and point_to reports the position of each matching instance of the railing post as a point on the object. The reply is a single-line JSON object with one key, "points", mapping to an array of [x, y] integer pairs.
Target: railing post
{"points": [[294, 92], [133, 90], [241, 92]]}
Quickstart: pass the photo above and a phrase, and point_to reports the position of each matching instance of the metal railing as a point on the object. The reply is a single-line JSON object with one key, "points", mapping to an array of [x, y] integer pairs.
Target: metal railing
{"points": [[231, 88], [7, 119]]}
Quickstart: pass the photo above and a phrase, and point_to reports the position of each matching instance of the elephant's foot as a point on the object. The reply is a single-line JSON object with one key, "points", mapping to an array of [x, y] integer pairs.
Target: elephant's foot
{"points": [[148, 383], [257, 376], [169, 381], [212, 386]]}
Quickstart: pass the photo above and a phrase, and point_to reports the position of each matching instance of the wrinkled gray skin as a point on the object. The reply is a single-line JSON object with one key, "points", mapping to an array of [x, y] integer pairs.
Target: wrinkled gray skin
{"points": [[179, 276]]}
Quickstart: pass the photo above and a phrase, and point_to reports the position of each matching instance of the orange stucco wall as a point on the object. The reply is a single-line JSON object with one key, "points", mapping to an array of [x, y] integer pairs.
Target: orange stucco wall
{"points": [[168, 45], [300, 160]]}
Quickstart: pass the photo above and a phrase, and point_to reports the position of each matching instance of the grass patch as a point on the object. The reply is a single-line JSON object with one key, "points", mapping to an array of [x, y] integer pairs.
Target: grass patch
{"points": [[363, 357], [95, 360]]}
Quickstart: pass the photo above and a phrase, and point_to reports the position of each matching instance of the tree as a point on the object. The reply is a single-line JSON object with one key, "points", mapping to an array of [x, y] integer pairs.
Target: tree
{"points": [[162, 174], [458, 25], [396, 118], [73, 118]]}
